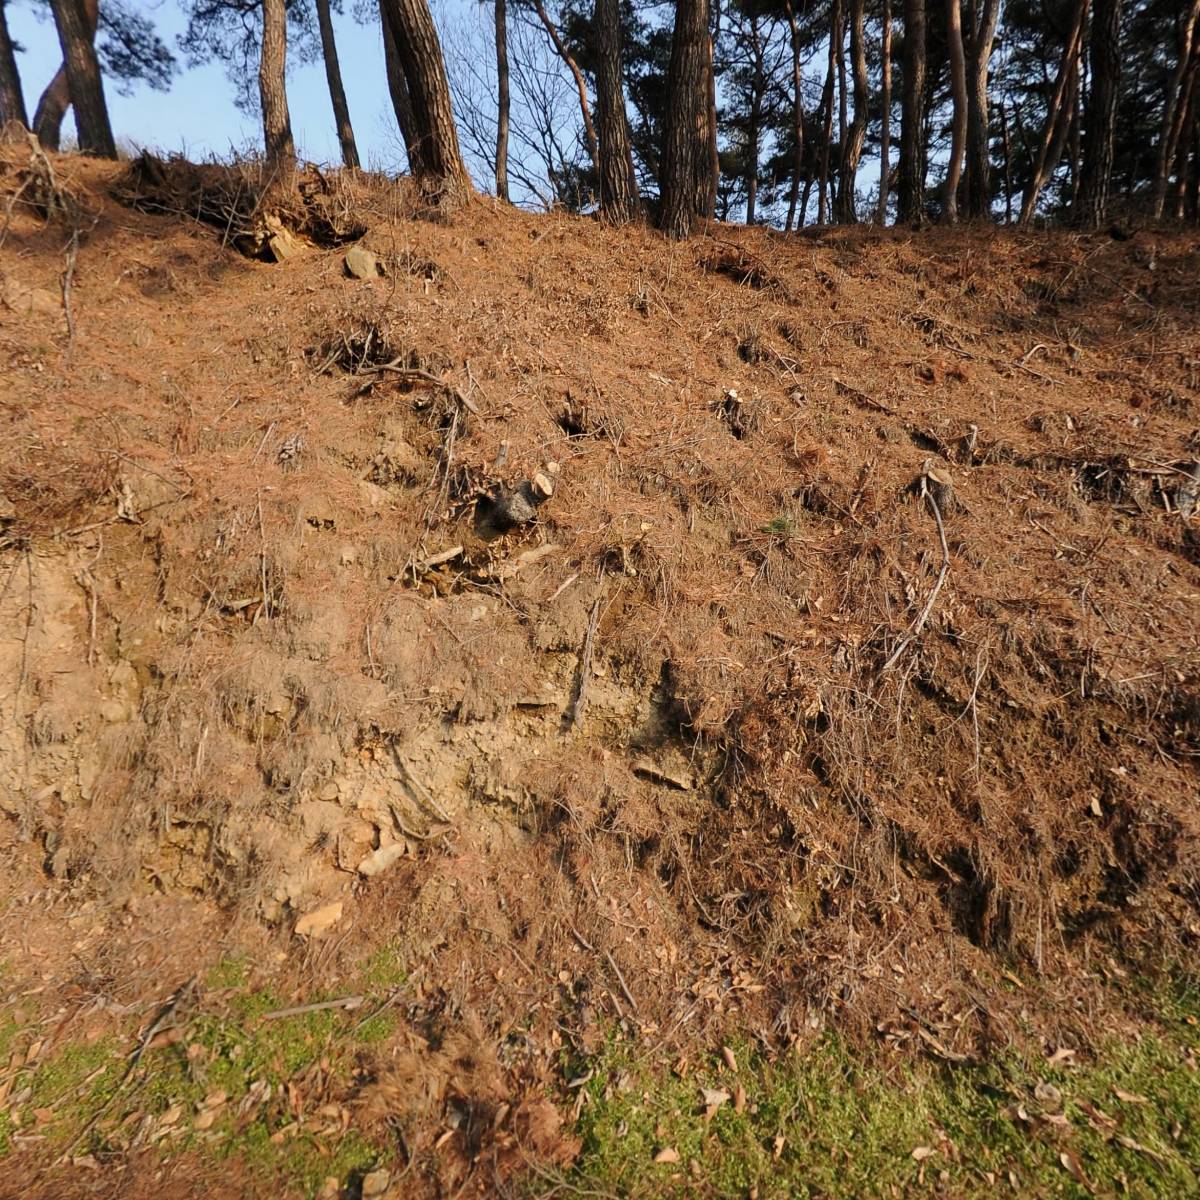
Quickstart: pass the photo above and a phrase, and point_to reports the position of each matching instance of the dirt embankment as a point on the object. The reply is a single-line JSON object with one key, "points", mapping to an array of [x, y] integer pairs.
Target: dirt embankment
{"points": [[844, 667]]}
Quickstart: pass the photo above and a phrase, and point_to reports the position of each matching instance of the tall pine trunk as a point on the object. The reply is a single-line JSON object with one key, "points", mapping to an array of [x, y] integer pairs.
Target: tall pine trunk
{"points": [[55, 102], [401, 101], [1174, 106], [911, 169], [1100, 117], [754, 123], [684, 182], [83, 78], [337, 93], [12, 99], [980, 40], [958, 124], [797, 115], [272, 91], [585, 108], [439, 165], [619, 200], [503, 101], [826, 117], [885, 124], [853, 146], [1057, 115]]}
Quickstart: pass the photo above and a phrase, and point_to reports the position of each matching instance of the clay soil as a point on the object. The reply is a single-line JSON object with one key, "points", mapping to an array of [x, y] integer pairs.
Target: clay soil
{"points": [[849, 679]]}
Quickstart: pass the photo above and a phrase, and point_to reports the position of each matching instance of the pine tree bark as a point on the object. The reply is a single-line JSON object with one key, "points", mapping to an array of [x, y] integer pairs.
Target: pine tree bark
{"points": [[439, 165], [585, 108], [12, 99], [885, 124], [853, 146], [958, 122], [797, 115], [278, 145], [1057, 116], [684, 184], [754, 122], [980, 40], [401, 101], [83, 78], [337, 93], [911, 168], [713, 174], [503, 100], [826, 115], [55, 101], [1173, 106], [1100, 117], [619, 201]]}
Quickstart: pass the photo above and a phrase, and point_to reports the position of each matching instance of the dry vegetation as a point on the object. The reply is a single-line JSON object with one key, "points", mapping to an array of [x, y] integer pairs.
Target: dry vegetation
{"points": [[850, 677]]}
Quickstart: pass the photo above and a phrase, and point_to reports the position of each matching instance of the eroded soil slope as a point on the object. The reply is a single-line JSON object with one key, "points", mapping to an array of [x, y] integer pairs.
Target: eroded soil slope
{"points": [[848, 676]]}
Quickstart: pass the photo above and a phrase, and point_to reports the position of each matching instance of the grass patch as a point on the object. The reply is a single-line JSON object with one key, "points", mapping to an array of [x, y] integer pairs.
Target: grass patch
{"points": [[830, 1123]]}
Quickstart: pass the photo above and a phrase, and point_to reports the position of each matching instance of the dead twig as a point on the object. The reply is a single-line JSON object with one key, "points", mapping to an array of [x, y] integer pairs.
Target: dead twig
{"points": [[621, 981], [349, 1003], [919, 624], [579, 702]]}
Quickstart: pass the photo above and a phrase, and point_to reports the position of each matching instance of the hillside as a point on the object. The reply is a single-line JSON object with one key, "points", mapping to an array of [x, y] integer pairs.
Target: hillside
{"points": [[844, 685]]}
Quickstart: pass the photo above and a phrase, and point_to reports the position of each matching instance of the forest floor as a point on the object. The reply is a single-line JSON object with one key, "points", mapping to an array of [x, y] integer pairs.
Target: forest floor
{"points": [[803, 803]]}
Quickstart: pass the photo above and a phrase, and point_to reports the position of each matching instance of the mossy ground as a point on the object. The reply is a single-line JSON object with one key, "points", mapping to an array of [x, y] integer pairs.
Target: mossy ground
{"points": [[825, 1120]]}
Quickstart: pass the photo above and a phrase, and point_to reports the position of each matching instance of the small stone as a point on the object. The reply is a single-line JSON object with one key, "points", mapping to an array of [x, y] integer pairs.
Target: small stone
{"points": [[375, 1183], [380, 860], [361, 263], [320, 921]]}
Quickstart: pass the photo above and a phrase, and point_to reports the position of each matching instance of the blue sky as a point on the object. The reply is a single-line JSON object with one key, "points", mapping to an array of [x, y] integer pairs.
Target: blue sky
{"points": [[198, 117]]}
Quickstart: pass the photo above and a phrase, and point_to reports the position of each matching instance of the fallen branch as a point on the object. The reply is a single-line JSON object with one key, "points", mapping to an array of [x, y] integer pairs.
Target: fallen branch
{"points": [[579, 703], [350, 1003], [621, 980], [915, 631]]}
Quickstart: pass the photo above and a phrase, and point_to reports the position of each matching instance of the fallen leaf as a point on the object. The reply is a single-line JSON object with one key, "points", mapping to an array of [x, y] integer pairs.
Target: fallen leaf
{"points": [[668, 1154], [205, 1119], [1060, 1056], [1129, 1097], [780, 1142], [921, 1153], [714, 1097], [1070, 1161], [320, 921], [1048, 1094], [730, 1058], [739, 1099]]}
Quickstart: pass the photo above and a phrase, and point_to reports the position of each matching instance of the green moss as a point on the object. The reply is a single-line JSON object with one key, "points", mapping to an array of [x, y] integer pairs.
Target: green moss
{"points": [[384, 970], [828, 1123]]}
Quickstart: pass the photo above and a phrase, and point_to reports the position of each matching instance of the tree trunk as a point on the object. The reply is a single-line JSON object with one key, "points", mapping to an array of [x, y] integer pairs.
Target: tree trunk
{"points": [[619, 199], [439, 165], [754, 123], [885, 126], [981, 39], [1173, 106], [826, 138], [1008, 191], [714, 149], [83, 78], [55, 101], [1100, 119], [503, 101], [401, 100], [589, 128], [1056, 113], [272, 90], [958, 126], [337, 93], [797, 115], [911, 169], [684, 184], [852, 148], [12, 99], [1185, 175]]}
